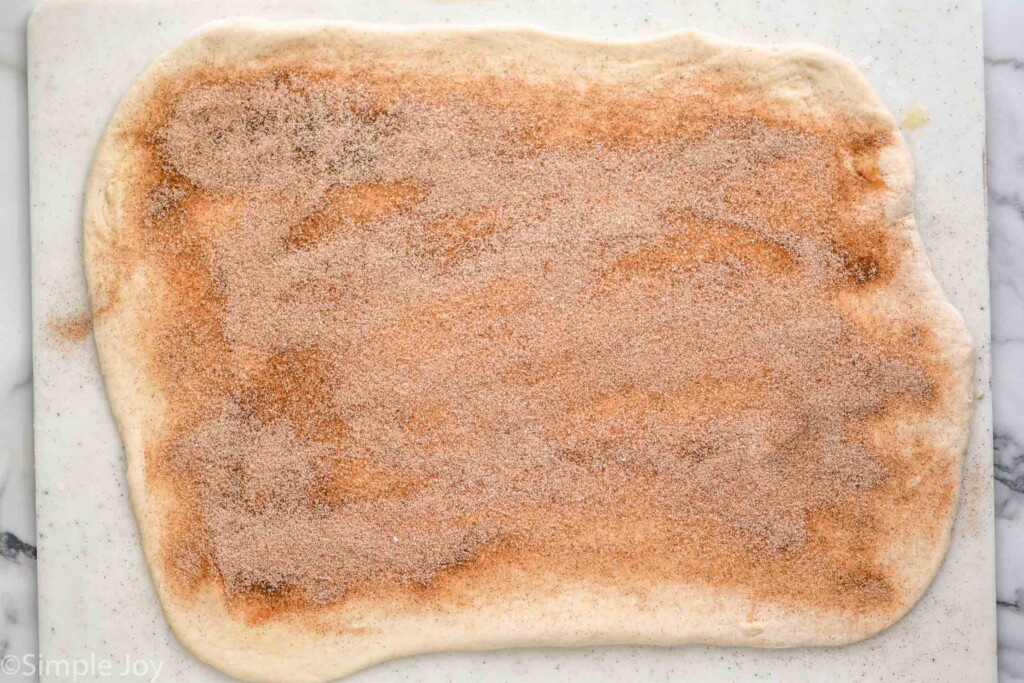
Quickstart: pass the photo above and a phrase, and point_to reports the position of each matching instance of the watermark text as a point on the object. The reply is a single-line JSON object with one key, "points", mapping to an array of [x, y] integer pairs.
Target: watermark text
{"points": [[82, 668]]}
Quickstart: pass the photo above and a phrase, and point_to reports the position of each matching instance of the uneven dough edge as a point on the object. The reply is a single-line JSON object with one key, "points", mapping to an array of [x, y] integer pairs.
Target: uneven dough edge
{"points": [[804, 78]]}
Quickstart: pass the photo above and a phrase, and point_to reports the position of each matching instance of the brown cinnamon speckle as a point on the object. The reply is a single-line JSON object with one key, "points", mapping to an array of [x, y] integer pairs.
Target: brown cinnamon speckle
{"points": [[70, 329]]}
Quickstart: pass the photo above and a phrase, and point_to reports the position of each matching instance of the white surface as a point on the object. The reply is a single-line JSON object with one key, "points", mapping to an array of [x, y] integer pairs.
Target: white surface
{"points": [[95, 595]]}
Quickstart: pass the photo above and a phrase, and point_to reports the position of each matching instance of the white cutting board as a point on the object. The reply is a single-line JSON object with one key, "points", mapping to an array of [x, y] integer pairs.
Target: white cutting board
{"points": [[95, 596]]}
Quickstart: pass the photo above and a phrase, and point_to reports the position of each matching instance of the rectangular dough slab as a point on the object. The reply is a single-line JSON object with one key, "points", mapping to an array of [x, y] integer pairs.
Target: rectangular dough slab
{"points": [[65, 372]]}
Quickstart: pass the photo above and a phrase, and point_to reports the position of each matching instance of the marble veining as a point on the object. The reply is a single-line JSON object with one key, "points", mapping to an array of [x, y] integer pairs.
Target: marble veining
{"points": [[1004, 71], [1004, 76], [17, 516]]}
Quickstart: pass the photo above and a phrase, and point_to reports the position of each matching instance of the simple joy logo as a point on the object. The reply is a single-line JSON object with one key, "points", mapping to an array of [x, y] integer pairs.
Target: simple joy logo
{"points": [[81, 668]]}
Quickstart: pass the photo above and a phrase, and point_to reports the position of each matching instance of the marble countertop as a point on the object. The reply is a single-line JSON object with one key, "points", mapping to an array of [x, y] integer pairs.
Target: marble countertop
{"points": [[1004, 50]]}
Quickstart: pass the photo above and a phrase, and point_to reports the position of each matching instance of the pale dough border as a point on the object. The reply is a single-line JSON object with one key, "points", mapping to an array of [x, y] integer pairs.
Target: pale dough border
{"points": [[802, 79]]}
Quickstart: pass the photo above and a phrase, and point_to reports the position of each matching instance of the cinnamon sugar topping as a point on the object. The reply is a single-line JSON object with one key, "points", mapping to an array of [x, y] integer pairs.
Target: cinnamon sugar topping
{"points": [[415, 327], [72, 328]]}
